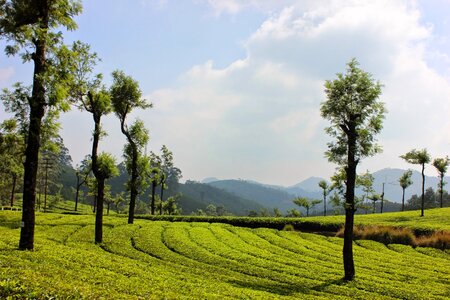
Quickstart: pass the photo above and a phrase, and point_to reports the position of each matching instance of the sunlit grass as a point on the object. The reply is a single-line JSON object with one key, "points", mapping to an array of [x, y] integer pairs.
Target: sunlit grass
{"points": [[178, 260]]}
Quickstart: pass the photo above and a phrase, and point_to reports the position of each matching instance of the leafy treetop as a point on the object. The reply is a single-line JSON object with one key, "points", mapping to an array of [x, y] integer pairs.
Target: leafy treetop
{"points": [[353, 104]]}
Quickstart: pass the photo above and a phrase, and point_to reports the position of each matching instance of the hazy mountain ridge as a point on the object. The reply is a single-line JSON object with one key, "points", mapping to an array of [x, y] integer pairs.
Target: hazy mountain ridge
{"points": [[272, 196]]}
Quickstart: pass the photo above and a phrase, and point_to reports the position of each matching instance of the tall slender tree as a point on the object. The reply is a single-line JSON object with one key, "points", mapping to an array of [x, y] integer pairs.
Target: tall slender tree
{"points": [[441, 165], [325, 191], [139, 136], [126, 96], [33, 27], [405, 181], [88, 93], [356, 116], [154, 174], [419, 157]]}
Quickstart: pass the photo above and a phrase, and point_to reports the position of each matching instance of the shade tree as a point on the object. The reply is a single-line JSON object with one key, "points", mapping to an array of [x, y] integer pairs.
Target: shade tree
{"points": [[441, 165], [32, 29], [125, 97], [419, 157], [326, 189], [306, 203], [356, 116], [138, 166], [405, 181]]}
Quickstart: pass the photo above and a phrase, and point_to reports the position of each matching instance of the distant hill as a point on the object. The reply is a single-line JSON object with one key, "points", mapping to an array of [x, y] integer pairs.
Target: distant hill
{"points": [[210, 179], [197, 195], [264, 195], [390, 176], [310, 184]]}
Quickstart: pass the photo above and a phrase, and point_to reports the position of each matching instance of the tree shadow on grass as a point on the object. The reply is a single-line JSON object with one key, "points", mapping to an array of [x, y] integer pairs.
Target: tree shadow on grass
{"points": [[286, 289]]}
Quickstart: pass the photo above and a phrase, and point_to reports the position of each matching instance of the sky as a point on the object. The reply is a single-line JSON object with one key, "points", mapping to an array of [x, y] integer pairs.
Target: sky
{"points": [[236, 85]]}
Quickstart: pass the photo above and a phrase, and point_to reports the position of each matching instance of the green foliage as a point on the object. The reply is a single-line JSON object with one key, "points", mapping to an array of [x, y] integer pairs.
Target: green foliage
{"points": [[306, 203], [353, 100], [126, 95], [25, 28], [417, 157], [441, 165], [206, 261], [107, 165], [405, 180]]}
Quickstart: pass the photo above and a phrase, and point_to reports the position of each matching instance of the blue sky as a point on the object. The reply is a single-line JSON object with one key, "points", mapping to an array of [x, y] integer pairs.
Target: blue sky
{"points": [[237, 84]]}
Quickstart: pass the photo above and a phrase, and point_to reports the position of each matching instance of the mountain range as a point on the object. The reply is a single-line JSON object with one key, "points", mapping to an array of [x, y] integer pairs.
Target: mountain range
{"points": [[271, 196]]}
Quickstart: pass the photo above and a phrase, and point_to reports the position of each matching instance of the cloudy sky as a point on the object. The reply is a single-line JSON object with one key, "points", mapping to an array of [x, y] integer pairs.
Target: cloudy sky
{"points": [[237, 84]]}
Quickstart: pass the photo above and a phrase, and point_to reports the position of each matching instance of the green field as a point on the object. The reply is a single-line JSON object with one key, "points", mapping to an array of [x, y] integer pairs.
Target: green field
{"points": [[179, 260]]}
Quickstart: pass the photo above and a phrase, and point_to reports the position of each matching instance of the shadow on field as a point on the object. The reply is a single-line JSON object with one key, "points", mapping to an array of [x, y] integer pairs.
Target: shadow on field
{"points": [[286, 289]]}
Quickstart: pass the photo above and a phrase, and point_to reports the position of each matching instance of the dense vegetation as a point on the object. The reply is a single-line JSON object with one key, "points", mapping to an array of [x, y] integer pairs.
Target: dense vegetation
{"points": [[161, 259]]}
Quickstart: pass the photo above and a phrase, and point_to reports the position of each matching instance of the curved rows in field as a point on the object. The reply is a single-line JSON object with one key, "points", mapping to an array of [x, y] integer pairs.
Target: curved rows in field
{"points": [[201, 260]]}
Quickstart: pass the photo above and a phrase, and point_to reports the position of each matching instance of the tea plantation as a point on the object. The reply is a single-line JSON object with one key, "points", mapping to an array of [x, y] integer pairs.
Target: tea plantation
{"points": [[199, 260]]}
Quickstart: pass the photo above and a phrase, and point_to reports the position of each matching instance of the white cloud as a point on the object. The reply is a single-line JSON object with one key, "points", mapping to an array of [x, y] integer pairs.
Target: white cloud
{"points": [[260, 115], [259, 118]]}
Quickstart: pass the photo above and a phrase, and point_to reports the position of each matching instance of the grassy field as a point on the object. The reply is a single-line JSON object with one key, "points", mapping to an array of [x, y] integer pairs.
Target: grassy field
{"points": [[179, 260]]}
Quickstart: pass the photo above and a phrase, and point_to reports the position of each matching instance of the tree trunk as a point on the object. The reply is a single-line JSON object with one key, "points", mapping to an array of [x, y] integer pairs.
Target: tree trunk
{"points": [[152, 204], [13, 190], [324, 203], [133, 183], [45, 186], [161, 203], [349, 266], [99, 213], [382, 200], [98, 199], [423, 190], [403, 200], [37, 111], [134, 174], [77, 193], [441, 190]]}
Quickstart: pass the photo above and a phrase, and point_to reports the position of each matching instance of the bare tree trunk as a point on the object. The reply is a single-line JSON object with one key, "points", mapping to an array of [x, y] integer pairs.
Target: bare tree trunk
{"points": [[349, 266], [441, 190], [77, 193], [152, 204], [99, 213], [403, 200], [134, 174], [161, 203], [37, 111], [423, 190]]}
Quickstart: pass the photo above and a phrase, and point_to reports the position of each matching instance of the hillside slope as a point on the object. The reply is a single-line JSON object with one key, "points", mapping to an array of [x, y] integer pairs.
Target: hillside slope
{"points": [[264, 195], [162, 260]]}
